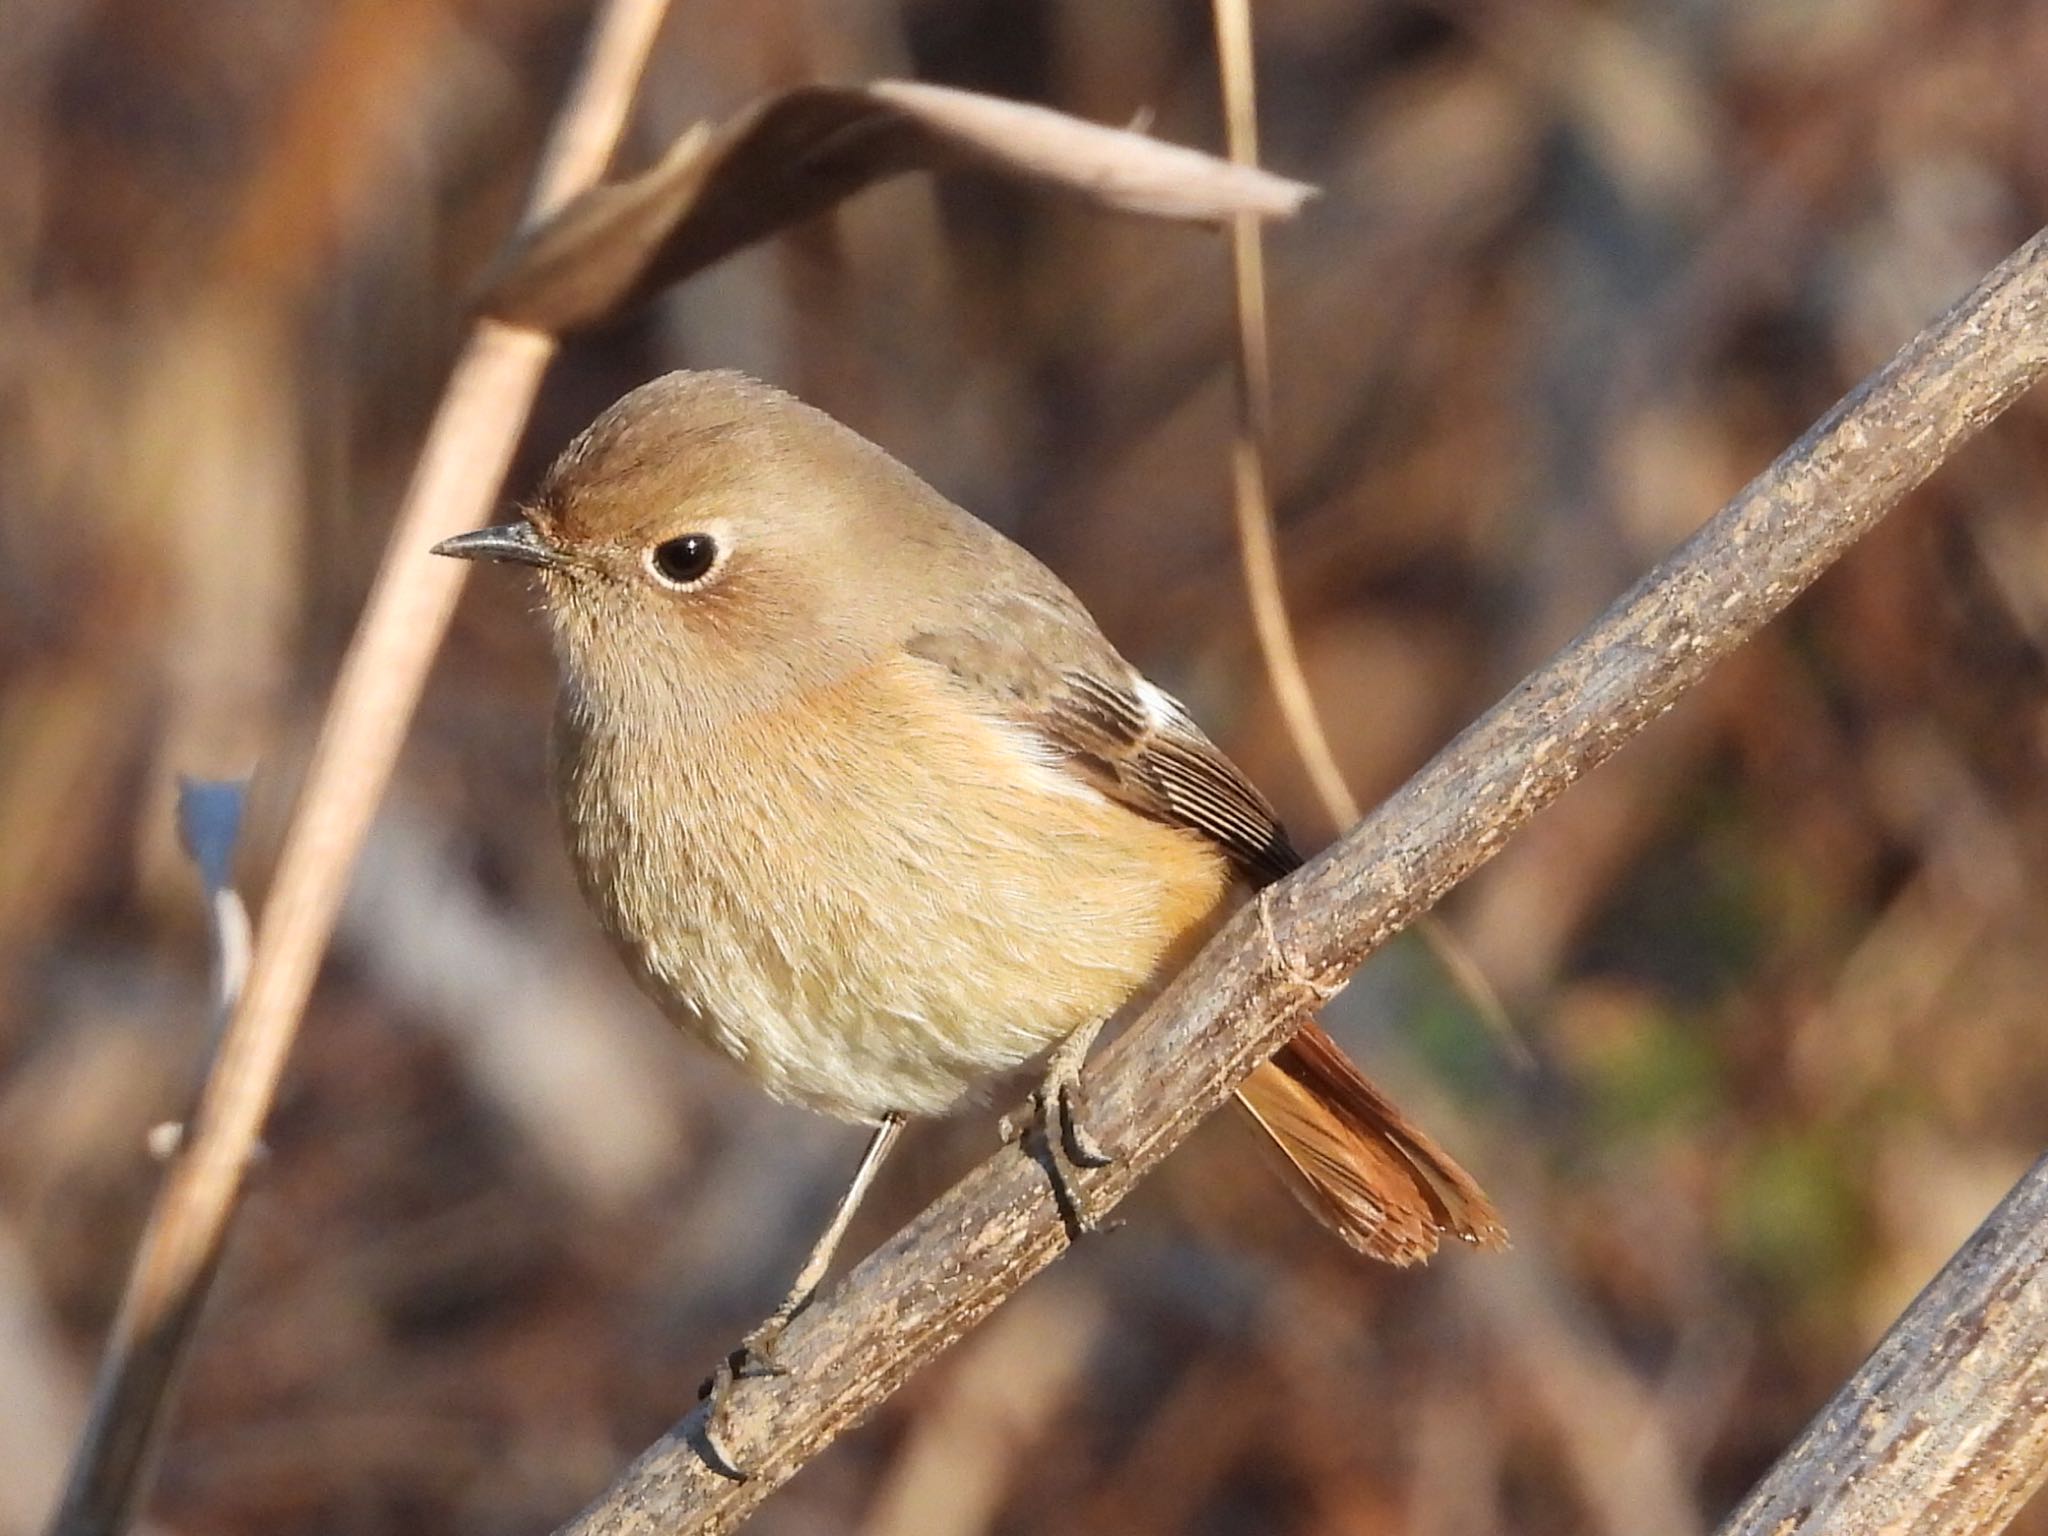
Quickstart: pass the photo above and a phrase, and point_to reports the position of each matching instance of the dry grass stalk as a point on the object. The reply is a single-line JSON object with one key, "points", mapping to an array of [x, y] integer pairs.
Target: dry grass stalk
{"points": [[1258, 547], [460, 469], [1258, 541]]}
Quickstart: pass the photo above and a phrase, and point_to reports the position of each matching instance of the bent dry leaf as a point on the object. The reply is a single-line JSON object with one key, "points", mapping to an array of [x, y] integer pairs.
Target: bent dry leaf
{"points": [[792, 156]]}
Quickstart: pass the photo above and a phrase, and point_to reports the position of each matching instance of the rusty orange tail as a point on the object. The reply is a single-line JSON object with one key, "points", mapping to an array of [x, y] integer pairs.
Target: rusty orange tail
{"points": [[1365, 1171]]}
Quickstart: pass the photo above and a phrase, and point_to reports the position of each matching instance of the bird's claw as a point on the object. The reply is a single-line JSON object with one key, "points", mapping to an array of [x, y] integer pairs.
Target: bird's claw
{"points": [[1063, 1145], [755, 1359], [1076, 1140]]}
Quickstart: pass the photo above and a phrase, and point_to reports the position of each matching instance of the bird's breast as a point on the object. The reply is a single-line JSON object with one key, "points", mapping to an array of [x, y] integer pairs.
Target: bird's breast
{"points": [[878, 897]]}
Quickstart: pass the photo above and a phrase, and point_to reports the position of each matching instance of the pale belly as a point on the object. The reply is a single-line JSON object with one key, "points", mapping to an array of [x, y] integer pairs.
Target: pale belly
{"points": [[883, 940]]}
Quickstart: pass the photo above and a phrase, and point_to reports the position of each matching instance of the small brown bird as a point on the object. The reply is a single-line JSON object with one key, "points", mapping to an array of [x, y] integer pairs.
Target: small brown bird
{"points": [[869, 804]]}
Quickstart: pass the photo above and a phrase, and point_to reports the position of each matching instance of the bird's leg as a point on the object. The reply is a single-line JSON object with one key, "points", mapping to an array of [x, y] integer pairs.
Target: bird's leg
{"points": [[756, 1353], [1055, 1116], [757, 1349]]}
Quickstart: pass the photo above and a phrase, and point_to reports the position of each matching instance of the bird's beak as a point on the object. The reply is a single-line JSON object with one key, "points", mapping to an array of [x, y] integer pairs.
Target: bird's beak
{"points": [[514, 542]]}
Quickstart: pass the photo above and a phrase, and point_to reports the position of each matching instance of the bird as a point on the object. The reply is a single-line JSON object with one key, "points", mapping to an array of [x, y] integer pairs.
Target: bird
{"points": [[868, 804]]}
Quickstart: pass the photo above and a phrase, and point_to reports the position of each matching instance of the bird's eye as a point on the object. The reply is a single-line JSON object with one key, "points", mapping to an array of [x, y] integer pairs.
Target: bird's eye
{"points": [[684, 561]]}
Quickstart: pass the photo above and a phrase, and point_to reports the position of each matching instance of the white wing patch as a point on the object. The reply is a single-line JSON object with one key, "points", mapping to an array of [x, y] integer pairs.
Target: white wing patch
{"points": [[1162, 710], [1045, 766]]}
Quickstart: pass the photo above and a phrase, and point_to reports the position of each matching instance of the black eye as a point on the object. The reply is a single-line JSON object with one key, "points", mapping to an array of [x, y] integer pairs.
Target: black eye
{"points": [[679, 562]]}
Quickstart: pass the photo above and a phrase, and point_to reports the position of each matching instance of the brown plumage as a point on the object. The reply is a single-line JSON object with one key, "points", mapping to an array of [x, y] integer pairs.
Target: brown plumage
{"points": [[869, 804]]}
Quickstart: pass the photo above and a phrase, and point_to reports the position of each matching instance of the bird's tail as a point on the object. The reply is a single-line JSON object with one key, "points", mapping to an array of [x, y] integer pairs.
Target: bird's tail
{"points": [[1364, 1170]]}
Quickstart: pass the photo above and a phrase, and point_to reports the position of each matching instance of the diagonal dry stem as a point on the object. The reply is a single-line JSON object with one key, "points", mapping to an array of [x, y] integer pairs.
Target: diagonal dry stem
{"points": [[1943, 1431], [460, 469], [978, 1243]]}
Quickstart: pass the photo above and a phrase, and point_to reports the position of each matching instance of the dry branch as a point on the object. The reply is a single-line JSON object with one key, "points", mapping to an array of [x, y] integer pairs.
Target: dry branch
{"points": [[966, 1253], [1944, 1430]]}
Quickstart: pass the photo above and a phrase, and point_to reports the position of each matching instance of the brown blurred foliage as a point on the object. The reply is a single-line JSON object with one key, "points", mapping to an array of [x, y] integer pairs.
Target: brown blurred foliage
{"points": [[1577, 271]]}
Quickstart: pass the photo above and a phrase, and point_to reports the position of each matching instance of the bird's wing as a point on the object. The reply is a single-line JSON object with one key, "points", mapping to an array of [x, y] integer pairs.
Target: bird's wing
{"points": [[1038, 661]]}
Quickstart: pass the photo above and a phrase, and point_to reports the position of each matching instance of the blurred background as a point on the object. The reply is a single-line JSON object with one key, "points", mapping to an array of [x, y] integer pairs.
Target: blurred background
{"points": [[1578, 271]]}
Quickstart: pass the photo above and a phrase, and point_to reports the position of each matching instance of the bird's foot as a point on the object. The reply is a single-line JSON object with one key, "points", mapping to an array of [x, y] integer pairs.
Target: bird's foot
{"points": [[1064, 1146], [755, 1359]]}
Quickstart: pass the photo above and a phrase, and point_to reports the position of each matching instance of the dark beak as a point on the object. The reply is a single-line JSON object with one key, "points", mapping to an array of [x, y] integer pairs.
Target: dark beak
{"points": [[514, 542]]}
